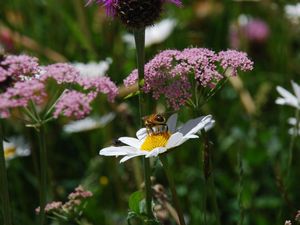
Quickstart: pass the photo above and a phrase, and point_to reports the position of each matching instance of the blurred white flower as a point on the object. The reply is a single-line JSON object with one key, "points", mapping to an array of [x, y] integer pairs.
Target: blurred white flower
{"points": [[15, 147], [295, 129], [293, 12], [93, 69], [88, 123], [155, 34], [287, 98], [155, 144]]}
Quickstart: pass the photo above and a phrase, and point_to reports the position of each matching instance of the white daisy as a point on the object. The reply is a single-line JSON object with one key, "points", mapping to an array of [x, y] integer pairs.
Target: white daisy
{"points": [[93, 69], [15, 147], [88, 123], [287, 98], [154, 34], [155, 144]]}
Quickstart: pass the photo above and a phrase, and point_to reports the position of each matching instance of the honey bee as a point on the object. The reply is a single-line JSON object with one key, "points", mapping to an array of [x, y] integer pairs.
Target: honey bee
{"points": [[155, 124]]}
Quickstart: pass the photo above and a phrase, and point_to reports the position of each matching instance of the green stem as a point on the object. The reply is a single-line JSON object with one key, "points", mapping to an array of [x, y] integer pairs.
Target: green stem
{"points": [[139, 37], [292, 143], [175, 198], [6, 211], [43, 173], [209, 175]]}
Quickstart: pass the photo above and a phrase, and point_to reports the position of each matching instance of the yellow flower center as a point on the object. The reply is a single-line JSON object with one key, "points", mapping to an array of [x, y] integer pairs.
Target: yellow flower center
{"points": [[9, 152], [155, 140]]}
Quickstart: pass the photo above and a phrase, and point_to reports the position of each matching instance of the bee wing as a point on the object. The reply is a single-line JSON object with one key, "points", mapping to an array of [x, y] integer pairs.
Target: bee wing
{"points": [[172, 121]]}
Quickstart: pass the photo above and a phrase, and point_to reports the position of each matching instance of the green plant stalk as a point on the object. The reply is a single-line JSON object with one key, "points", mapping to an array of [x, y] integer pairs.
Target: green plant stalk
{"points": [[6, 210], [240, 187], [209, 176], [43, 172], [175, 198], [139, 37], [292, 143]]}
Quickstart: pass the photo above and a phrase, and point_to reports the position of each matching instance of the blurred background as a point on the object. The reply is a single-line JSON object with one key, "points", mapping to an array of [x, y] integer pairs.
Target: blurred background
{"points": [[250, 139]]}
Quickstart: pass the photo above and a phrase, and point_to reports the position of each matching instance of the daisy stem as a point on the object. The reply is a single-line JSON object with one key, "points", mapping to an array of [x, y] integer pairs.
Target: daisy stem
{"points": [[292, 143], [6, 211], [139, 37], [175, 198], [43, 172]]}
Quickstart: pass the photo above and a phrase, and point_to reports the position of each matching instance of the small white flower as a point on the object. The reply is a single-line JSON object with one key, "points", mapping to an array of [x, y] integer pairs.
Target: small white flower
{"points": [[287, 98], [93, 69], [153, 145], [88, 123], [15, 147], [295, 129], [155, 34], [293, 12]]}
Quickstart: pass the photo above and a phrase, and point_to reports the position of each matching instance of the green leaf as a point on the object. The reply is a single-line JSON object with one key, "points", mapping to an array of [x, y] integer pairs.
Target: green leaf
{"points": [[132, 95], [134, 201]]}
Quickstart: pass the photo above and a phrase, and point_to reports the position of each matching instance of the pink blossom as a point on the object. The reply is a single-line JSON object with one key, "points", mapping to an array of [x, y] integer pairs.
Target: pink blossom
{"points": [[50, 207], [235, 60], [18, 65], [74, 104], [21, 93], [100, 85], [80, 193], [60, 72], [256, 30], [168, 73]]}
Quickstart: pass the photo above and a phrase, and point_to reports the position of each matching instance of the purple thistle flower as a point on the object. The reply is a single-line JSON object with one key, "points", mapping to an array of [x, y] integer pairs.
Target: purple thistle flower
{"points": [[134, 13]]}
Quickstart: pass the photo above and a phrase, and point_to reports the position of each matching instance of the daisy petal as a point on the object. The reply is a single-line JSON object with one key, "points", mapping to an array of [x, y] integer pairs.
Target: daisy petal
{"points": [[292, 121], [141, 133], [133, 142], [174, 140], [296, 89], [116, 151], [155, 152], [125, 158], [288, 97], [193, 126], [172, 122]]}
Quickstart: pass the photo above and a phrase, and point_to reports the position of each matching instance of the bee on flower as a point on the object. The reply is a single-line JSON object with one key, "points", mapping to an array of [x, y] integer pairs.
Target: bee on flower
{"points": [[158, 136]]}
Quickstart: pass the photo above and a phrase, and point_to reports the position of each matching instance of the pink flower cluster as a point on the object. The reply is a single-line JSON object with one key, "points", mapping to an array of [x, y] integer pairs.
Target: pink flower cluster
{"points": [[23, 80], [74, 104], [68, 208], [168, 73]]}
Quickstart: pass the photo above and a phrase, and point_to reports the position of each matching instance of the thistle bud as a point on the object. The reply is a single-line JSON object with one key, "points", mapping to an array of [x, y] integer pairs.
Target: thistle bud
{"points": [[135, 14]]}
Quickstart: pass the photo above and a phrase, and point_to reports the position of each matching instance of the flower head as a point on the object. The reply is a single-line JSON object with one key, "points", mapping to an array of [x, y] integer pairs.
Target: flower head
{"points": [[287, 98], [15, 147], [169, 73], [74, 104], [135, 13], [151, 145], [88, 123]]}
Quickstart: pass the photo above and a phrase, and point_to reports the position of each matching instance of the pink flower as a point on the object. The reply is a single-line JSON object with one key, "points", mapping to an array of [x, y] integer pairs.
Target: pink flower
{"points": [[100, 85], [168, 73], [74, 104], [19, 65], [235, 60], [60, 72]]}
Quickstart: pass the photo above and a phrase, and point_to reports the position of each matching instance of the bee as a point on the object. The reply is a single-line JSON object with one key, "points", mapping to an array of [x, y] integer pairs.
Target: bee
{"points": [[155, 124]]}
